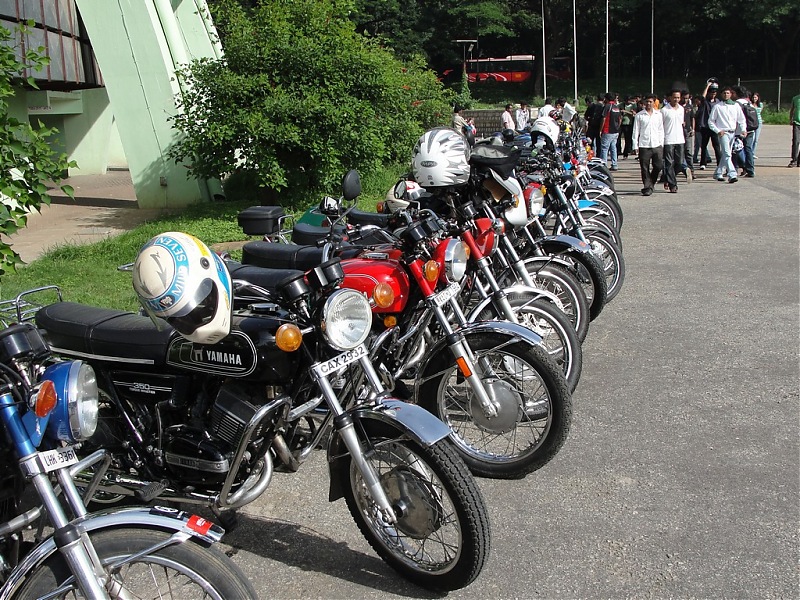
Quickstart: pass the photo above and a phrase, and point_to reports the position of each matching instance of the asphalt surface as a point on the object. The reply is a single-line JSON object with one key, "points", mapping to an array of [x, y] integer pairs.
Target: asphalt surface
{"points": [[680, 475]]}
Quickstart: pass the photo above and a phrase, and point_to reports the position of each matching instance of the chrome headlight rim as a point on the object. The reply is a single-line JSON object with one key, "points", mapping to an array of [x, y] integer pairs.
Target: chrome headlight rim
{"points": [[83, 400], [536, 203], [455, 260], [359, 317]]}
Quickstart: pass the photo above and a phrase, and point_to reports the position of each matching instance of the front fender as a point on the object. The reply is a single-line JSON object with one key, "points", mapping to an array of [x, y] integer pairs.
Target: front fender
{"points": [[513, 331], [535, 294], [389, 418], [157, 517], [556, 244]]}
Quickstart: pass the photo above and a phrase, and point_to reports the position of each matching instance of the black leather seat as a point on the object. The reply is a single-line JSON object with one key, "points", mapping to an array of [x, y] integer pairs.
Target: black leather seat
{"points": [[96, 332]]}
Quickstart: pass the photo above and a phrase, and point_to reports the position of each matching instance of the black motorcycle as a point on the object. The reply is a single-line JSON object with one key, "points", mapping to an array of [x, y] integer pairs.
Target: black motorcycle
{"points": [[209, 424]]}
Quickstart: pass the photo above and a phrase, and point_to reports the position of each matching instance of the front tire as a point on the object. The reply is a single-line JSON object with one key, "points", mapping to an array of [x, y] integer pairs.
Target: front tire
{"points": [[178, 571], [441, 538], [535, 407]]}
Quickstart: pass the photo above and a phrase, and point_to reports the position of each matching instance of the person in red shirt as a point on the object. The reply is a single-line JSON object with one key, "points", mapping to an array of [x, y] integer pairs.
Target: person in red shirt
{"points": [[609, 130]]}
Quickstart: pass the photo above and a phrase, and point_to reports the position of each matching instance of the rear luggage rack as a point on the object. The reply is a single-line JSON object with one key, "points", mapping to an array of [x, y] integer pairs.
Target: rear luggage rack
{"points": [[24, 308]]}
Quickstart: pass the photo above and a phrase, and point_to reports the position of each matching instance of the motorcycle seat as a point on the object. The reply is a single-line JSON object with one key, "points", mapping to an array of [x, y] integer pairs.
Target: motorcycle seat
{"points": [[281, 256], [287, 256], [362, 217], [103, 333], [264, 277]]}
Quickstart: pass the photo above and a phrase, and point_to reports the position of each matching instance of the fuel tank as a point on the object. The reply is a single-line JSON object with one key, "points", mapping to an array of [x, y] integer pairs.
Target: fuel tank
{"points": [[370, 269], [249, 351]]}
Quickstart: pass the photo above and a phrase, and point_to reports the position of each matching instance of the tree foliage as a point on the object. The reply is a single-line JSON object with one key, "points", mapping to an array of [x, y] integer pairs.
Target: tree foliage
{"points": [[300, 97], [27, 164]]}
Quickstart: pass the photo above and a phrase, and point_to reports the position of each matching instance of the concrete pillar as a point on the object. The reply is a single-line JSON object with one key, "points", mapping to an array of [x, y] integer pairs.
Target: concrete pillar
{"points": [[138, 45]]}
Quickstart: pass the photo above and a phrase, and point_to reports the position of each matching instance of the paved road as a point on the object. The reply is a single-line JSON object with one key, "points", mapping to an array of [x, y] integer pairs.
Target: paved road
{"points": [[680, 476]]}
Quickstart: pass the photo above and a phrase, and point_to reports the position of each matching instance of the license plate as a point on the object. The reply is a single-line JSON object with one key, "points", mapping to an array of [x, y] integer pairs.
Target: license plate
{"points": [[339, 362], [447, 294], [58, 458]]}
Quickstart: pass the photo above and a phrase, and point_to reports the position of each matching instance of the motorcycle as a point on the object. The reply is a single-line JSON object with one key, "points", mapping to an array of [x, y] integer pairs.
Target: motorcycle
{"points": [[48, 408], [250, 376]]}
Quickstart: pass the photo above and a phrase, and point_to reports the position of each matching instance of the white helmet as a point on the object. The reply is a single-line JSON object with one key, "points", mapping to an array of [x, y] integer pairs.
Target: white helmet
{"points": [[441, 158], [178, 279], [413, 192], [546, 129]]}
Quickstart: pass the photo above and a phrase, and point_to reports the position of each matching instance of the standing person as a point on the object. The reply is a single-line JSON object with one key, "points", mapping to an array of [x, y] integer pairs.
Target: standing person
{"points": [[547, 108], [648, 140], [726, 121], [688, 134], [568, 111], [704, 110], [628, 114], [751, 126], [673, 117], [507, 118], [523, 116], [794, 119], [755, 100], [609, 129], [593, 116], [459, 122]]}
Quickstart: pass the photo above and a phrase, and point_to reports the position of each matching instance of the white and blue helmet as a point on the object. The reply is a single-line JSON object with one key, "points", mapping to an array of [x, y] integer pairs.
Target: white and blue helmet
{"points": [[178, 279], [441, 159]]}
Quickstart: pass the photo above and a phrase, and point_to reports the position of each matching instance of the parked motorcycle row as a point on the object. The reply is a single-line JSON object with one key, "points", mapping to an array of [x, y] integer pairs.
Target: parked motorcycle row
{"points": [[437, 339]]}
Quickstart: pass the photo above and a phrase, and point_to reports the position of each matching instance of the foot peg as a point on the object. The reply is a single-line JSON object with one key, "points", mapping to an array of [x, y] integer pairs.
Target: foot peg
{"points": [[151, 491]]}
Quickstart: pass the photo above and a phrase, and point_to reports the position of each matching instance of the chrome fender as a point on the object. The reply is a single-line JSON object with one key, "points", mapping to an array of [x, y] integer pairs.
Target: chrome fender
{"points": [[514, 332], [535, 293], [183, 524], [390, 417]]}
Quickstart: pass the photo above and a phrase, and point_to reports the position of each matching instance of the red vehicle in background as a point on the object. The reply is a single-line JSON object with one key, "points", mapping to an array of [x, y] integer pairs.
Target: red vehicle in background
{"points": [[517, 67]]}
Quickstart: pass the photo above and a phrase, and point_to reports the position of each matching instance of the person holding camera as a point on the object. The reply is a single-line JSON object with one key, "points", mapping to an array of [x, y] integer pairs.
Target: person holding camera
{"points": [[701, 122]]}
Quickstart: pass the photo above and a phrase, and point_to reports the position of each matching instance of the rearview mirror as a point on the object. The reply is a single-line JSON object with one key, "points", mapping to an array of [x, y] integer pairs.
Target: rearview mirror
{"points": [[400, 189], [351, 185]]}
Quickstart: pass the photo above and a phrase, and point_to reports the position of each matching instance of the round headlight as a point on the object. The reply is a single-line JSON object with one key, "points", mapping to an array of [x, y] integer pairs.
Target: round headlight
{"points": [[346, 319], [536, 203], [455, 260], [75, 416]]}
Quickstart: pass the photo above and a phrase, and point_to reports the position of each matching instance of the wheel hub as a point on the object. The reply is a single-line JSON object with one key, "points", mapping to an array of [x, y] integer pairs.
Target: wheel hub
{"points": [[417, 506], [506, 401]]}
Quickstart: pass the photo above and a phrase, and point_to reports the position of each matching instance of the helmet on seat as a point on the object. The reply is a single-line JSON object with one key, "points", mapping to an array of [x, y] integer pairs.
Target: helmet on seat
{"points": [[545, 131], [441, 158], [178, 279], [509, 135]]}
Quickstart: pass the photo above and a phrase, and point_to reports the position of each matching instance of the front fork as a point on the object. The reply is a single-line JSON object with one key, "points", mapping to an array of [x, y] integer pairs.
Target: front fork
{"points": [[343, 422]]}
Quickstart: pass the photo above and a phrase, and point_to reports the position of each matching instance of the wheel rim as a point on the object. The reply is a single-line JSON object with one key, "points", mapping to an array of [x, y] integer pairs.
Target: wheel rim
{"points": [[606, 257], [552, 340], [427, 535], [455, 402]]}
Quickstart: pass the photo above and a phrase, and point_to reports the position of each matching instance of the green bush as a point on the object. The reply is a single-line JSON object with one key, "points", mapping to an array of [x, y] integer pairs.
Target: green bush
{"points": [[27, 164], [299, 99]]}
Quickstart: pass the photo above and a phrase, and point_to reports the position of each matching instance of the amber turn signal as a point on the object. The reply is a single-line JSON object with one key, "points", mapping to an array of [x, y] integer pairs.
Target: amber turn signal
{"points": [[383, 294], [379, 207], [46, 399], [390, 321], [288, 337], [431, 270]]}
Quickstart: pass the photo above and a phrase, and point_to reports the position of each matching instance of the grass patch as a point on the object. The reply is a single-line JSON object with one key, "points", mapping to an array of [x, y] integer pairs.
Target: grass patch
{"points": [[88, 274]]}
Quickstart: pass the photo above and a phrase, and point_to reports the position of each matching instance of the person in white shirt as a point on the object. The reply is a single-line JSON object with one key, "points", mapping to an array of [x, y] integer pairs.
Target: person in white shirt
{"points": [[648, 140], [568, 111], [523, 116], [547, 108], [674, 140], [726, 121]]}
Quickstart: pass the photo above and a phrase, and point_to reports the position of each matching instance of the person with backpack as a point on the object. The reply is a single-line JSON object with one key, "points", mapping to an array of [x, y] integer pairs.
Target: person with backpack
{"points": [[751, 125], [610, 128]]}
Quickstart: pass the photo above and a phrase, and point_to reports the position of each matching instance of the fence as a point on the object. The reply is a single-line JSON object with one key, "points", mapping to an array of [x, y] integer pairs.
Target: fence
{"points": [[776, 92]]}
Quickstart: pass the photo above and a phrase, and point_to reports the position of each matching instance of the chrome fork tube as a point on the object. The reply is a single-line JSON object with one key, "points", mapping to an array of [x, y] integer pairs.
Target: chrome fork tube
{"points": [[68, 537], [467, 364], [344, 425]]}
